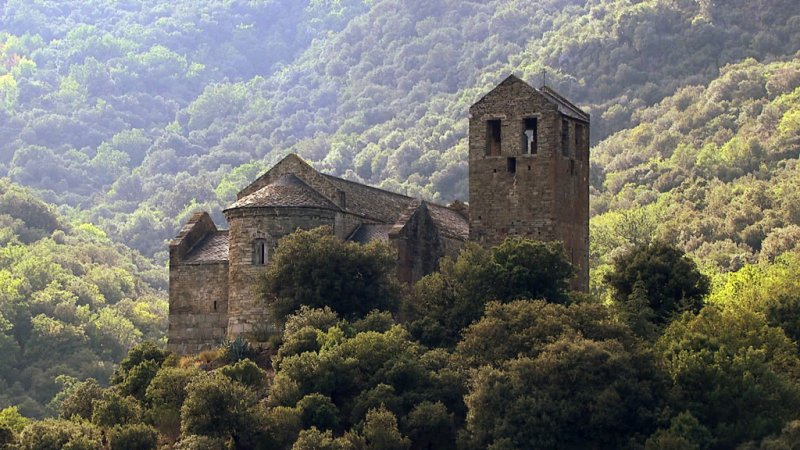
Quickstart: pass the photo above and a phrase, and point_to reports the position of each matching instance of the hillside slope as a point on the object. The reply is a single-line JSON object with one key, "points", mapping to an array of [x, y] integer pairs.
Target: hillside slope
{"points": [[71, 301], [712, 168], [144, 114]]}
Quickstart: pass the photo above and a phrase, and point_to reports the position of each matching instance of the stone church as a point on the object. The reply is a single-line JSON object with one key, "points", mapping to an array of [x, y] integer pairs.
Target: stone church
{"points": [[528, 176]]}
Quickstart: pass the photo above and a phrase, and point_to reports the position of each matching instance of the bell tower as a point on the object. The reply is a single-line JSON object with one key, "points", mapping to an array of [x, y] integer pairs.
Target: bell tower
{"points": [[529, 170]]}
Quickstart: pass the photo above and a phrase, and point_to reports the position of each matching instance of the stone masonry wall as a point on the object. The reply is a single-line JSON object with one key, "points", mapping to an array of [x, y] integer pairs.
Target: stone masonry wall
{"points": [[505, 203], [198, 310], [247, 306], [542, 196], [570, 177], [418, 246]]}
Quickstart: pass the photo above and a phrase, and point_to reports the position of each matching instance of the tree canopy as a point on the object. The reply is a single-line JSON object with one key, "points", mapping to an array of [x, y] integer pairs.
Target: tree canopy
{"points": [[314, 268]]}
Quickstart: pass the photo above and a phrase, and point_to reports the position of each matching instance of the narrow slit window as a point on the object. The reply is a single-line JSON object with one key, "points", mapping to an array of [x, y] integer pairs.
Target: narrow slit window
{"points": [[259, 252], [529, 137], [493, 138], [579, 142], [511, 165], [565, 137]]}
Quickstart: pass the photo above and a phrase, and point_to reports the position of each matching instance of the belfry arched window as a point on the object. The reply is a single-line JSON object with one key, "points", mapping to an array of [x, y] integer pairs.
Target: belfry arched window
{"points": [[259, 252]]}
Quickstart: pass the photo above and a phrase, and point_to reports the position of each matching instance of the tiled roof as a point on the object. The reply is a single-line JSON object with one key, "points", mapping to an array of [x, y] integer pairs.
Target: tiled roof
{"points": [[450, 222], [286, 191], [212, 249], [371, 202], [564, 106], [369, 232]]}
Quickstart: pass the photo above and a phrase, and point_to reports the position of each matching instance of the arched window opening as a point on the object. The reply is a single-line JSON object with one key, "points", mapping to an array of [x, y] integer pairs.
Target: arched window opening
{"points": [[259, 252]]}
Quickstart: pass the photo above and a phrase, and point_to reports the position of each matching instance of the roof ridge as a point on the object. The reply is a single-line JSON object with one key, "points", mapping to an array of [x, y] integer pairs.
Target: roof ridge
{"points": [[548, 91], [295, 182], [326, 175]]}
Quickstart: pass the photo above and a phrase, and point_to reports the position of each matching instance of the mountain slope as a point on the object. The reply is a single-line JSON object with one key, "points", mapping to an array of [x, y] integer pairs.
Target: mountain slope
{"points": [[140, 115], [712, 168], [71, 301]]}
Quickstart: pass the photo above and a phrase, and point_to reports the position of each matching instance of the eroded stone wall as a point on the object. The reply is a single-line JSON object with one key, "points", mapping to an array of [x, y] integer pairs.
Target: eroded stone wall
{"points": [[514, 192], [418, 246], [247, 311], [198, 309]]}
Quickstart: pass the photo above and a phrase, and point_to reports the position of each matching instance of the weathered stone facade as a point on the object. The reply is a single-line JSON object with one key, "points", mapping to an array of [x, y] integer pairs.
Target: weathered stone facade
{"points": [[533, 185], [198, 289], [516, 189], [215, 276]]}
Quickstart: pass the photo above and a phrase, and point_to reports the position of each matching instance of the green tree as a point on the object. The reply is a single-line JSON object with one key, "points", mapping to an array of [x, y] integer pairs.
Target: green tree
{"points": [[138, 368], [684, 432], [247, 373], [132, 437], [788, 439], [145, 351], [12, 419], [219, 407], [430, 425], [165, 394], [445, 302], [536, 402], [115, 409], [281, 427], [317, 410], [525, 328], [57, 434], [316, 269], [670, 279], [314, 439], [79, 399], [362, 371], [381, 432], [733, 372]]}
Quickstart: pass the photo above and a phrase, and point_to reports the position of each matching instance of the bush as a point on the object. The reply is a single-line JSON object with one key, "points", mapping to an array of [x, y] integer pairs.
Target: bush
{"points": [[237, 349], [668, 278], [316, 269], [78, 401], [58, 434], [132, 437], [115, 409], [217, 406], [317, 410], [195, 442], [247, 373]]}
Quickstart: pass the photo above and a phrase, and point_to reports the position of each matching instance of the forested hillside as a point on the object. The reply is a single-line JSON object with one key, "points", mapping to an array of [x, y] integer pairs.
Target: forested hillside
{"points": [[119, 119], [712, 168], [72, 302], [139, 114], [490, 352]]}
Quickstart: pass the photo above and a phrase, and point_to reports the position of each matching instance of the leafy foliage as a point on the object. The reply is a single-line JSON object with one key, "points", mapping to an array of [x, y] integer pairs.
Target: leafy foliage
{"points": [[668, 280], [314, 268], [730, 368], [132, 115], [447, 301], [71, 303]]}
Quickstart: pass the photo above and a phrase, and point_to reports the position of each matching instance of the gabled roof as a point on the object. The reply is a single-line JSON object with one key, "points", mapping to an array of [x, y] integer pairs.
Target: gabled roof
{"points": [[564, 106], [450, 222], [287, 191], [295, 184], [368, 232], [370, 202], [212, 249]]}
